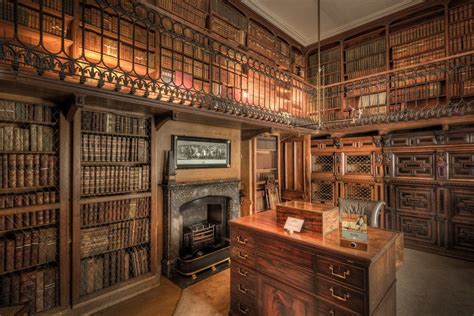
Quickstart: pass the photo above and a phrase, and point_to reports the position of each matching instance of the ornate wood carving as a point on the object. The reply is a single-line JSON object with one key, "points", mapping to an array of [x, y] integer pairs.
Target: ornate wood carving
{"points": [[462, 166], [414, 165]]}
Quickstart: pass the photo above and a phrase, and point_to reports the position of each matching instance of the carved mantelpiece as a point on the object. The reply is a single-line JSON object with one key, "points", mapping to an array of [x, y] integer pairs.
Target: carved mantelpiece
{"points": [[175, 195]]}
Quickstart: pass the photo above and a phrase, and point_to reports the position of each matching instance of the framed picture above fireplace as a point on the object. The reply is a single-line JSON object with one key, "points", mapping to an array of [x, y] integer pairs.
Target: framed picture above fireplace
{"points": [[197, 152]]}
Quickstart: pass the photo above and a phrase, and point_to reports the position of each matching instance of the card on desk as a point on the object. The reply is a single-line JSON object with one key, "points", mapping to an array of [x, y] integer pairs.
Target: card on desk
{"points": [[294, 224]]}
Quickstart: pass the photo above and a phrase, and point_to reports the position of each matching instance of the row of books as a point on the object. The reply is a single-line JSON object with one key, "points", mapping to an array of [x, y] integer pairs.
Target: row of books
{"points": [[365, 72], [108, 46], [28, 248], [228, 31], [370, 48], [114, 148], [179, 47], [262, 36], [103, 271], [26, 199], [27, 219], [110, 23], [332, 103], [20, 171], [365, 63], [111, 211], [421, 58], [185, 10], [409, 78], [19, 111], [260, 201], [417, 47], [113, 123], [114, 179], [31, 18], [417, 32], [267, 175], [462, 12], [327, 56], [264, 51], [33, 138], [464, 88], [229, 13], [331, 78], [97, 240], [462, 43], [430, 90], [38, 287], [58, 5], [267, 160], [461, 28], [330, 116]]}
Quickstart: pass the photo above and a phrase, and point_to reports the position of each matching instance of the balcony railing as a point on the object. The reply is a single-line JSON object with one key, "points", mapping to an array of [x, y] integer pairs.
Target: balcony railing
{"points": [[129, 47], [439, 88]]}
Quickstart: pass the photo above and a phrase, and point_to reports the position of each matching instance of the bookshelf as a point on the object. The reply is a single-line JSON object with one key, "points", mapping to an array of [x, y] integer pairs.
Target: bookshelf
{"points": [[261, 41], [32, 218], [193, 11], [331, 73], [228, 22], [461, 39], [417, 39], [298, 62], [113, 224], [267, 167], [282, 53], [32, 17], [130, 45]]}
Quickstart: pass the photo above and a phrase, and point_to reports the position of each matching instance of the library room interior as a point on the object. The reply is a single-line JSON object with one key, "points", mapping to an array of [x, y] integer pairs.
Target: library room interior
{"points": [[237, 157]]}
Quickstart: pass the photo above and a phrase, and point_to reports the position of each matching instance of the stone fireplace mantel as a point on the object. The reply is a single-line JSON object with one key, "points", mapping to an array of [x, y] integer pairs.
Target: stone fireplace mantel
{"points": [[176, 194]]}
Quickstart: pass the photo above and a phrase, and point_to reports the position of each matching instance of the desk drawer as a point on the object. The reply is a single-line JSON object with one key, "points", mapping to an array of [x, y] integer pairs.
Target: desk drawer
{"points": [[242, 238], [286, 273], [237, 307], [243, 271], [243, 255], [286, 252], [341, 271], [324, 308], [341, 295], [244, 288]]}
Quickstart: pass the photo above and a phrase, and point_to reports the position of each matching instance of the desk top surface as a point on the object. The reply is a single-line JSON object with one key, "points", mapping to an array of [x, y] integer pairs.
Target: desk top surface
{"points": [[265, 223]]}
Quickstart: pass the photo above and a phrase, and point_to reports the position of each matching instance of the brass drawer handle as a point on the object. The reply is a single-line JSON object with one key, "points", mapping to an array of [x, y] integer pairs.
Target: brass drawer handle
{"points": [[243, 308], [331, 312], [242, 241], [242, 289], [344, 275], [241, 256], [241, 272], [343, 298]]}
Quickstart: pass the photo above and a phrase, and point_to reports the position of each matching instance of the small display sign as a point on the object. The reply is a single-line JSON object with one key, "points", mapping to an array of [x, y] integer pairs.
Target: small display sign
{"points": [[293, 224]]}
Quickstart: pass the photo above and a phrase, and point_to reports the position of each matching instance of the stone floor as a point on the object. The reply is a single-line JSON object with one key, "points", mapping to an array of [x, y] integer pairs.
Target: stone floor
{"points": [[427, 284]]}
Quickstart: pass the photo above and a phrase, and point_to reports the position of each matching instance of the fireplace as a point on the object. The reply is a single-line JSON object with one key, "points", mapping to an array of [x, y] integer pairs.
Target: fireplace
{"points": [[196, 216], [203, 225]]}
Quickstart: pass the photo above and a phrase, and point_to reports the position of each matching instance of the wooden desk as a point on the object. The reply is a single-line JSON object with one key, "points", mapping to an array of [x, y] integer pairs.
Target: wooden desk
{"points": [[274, 273]]}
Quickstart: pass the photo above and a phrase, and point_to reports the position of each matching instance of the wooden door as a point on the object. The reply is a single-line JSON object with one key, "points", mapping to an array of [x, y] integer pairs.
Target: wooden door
{"points": [[296, 168], [278, 299]]}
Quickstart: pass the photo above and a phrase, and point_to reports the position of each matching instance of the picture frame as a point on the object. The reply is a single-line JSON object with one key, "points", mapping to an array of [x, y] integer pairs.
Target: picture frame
{"points": [[353, 230], [199, 152]]}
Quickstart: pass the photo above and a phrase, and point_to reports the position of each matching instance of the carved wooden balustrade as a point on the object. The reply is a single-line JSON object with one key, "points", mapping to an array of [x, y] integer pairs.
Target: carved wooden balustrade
{"points": [[130, 47]]}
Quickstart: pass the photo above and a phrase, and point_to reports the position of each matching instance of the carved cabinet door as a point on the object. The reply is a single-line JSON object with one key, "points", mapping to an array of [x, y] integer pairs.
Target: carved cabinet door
{"points": [[278, 299]]}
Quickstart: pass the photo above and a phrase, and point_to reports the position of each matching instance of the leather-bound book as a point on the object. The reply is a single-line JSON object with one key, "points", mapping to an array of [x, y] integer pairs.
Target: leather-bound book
{"points": [[20, 173], [2, 255], [44, 170], [27, 248], [39, 291], [34, 247], [90, 275], [49, 288], [34, 137], [19, 237], [28, 170], [12, 171], [36, 170], [106, 270], [99, 273]]}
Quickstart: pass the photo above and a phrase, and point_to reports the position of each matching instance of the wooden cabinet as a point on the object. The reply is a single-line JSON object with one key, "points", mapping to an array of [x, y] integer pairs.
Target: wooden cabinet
{"points": [[429, 183], [273, 273], [260, 173], [347, 167]]}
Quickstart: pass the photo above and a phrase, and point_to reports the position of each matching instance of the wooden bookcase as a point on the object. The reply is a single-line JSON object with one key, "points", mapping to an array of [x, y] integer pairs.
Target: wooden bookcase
{"points": [[33, 204], [432, 32], [114, 202]]}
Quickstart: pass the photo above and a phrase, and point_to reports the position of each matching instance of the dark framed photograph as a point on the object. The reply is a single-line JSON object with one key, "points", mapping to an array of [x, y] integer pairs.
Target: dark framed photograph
{"points": [[196, 152]]}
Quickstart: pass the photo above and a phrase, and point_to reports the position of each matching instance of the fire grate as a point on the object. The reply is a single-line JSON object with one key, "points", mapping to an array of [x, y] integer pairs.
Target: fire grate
{"points": [[199, 235]]}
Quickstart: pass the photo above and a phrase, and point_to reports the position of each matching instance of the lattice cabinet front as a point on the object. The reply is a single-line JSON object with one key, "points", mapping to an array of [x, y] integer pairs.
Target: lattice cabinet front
{"points": [[323, 192], [323, 164]]}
